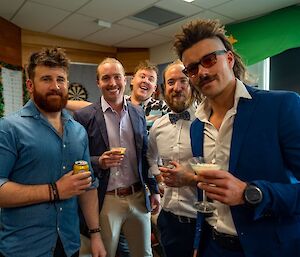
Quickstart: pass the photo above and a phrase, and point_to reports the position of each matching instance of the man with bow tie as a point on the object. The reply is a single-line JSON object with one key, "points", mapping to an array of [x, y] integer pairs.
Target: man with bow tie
{"points": [[170, 137]]}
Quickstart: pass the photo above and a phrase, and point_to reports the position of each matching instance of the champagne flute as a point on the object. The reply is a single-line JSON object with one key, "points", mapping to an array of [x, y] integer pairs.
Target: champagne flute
{"points": [[199, 164]]}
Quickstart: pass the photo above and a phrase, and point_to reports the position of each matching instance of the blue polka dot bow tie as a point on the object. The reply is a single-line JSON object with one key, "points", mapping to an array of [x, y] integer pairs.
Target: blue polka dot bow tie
{"points": [[174, 117]]}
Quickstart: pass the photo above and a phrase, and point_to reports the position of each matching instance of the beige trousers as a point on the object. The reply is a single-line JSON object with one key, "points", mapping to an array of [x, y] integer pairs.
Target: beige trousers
{"points": [[129, 215]]}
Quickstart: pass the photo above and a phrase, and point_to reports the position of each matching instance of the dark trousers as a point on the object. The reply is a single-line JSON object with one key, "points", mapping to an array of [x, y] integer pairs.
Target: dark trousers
{"points": [[209, 247], [177, 234], [123, 248]]}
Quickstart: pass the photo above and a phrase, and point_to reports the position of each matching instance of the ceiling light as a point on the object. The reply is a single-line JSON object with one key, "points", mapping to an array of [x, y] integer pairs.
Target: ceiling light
{"points": [[104, 24], [188, 1]]}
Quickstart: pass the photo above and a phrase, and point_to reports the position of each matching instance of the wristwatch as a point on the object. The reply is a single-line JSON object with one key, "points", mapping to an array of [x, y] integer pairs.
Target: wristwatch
{"points": [[252, 195]]}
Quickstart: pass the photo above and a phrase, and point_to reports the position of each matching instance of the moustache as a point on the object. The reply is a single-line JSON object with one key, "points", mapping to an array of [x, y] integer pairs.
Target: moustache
{"points": [[54, 92], [206, 79], [177, 95]]}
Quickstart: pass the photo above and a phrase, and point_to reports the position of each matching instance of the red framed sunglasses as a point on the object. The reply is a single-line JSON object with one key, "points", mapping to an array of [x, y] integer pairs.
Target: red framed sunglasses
{"points": [[206, 61]]}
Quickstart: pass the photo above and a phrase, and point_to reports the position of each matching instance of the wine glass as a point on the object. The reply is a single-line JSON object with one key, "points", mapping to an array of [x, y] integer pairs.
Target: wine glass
{"points": [[199, 164]]}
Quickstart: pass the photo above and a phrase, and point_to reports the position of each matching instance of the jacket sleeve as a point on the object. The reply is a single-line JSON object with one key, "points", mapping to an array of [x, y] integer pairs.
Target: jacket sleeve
{"points": [[150, 180], [282, 199]]}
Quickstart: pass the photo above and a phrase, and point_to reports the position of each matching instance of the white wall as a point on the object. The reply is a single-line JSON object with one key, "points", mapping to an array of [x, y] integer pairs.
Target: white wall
{"points": [[162, 54]]}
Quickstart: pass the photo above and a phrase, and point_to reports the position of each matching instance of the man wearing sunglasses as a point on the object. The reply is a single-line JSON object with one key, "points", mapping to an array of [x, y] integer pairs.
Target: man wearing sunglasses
{"points": [[254, 135]]}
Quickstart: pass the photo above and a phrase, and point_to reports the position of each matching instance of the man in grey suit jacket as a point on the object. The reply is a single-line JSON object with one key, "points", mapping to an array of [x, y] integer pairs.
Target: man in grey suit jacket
{"points": [[124, 185]]}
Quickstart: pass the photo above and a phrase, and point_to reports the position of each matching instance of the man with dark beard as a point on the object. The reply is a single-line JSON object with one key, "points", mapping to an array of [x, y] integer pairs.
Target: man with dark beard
{"points": [[38, 190], [170, 138]]}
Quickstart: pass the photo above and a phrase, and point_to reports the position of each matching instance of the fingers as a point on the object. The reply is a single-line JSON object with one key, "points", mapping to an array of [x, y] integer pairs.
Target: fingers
{"points": [[217, 174], [112, 158]]}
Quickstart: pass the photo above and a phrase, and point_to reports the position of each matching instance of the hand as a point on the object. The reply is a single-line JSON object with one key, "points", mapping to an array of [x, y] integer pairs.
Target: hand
{"points": [[155, 203], [71, 184], [195, 253], [222, 186], [110, 159], [97, 246], [178, 176]]}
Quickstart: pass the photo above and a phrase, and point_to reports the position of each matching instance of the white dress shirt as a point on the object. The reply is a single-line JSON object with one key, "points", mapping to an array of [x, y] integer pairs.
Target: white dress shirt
{"points": [[173, 141], [217, 149]]}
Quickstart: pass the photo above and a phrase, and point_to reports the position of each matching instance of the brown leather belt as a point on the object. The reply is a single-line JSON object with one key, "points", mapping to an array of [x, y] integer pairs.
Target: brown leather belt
{"points": [[125, 191]]}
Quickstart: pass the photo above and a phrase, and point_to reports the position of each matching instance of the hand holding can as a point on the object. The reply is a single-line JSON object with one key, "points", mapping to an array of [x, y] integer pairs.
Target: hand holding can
{"points": [[80, 166]]}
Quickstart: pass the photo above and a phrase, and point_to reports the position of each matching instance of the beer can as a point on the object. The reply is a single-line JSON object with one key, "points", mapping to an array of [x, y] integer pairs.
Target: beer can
{"points": [[80, 166]]}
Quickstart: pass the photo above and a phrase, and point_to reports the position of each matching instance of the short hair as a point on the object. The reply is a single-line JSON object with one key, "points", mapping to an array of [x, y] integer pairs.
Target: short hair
{"points": [[198, 30], [110, 60], [50, 57], [146, 65]]}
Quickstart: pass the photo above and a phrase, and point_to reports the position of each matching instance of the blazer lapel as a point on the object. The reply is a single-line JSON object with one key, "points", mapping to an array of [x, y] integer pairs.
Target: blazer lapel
{"points": [[245, 110], [196, 134], [99, 116]]}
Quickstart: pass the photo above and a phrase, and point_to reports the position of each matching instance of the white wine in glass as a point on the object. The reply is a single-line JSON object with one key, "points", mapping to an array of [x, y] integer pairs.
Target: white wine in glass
{"points": [[199, 164]]}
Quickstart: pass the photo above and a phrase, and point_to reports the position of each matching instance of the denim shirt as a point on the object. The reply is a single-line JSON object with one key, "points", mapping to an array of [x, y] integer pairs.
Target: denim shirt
{"points": [[32, 153]]}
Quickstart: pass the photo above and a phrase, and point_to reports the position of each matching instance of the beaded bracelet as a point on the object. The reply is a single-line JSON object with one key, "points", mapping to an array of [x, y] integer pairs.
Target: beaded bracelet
{"points": [[55, 192], [94, 230]]}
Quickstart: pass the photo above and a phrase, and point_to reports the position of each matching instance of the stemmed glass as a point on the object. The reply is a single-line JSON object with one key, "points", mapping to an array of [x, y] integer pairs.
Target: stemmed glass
{"points": [[165, 162], [199, 164], [120, 151]]}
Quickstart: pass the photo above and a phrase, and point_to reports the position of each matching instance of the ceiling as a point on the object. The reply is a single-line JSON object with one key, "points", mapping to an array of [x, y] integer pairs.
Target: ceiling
{"points": [[76, 19]]}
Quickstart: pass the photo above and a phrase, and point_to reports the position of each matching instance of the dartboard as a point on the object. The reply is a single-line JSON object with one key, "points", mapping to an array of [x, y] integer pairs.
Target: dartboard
{"points": [[77, 92]]}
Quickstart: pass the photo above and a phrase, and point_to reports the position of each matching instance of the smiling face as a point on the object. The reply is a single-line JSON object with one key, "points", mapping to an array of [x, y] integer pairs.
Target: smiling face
{"points": [[49, 88], [177, 88], [111, 81], [144, 84], [211, 81]]}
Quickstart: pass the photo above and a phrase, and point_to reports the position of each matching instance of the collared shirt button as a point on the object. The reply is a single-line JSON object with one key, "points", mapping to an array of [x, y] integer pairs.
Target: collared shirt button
{"points": [[60, 209], [57, 228], [64, 145], [64, 167]]}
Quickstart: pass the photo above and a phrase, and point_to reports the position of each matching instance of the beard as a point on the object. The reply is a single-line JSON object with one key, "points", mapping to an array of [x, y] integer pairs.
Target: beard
{"points": [[48, 102], [178, 105]]}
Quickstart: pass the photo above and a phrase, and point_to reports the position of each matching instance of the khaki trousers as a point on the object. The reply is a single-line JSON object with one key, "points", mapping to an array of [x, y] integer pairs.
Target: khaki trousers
{"points": [[129, 215]]}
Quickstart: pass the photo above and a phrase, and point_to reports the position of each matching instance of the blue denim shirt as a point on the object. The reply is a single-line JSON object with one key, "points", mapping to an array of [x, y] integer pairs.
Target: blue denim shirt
{"points": [[32, 153]]}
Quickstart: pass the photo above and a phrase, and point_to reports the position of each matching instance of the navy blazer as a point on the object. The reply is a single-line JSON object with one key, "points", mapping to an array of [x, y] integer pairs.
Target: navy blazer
{"points": [[92, 118], [265, 150]]}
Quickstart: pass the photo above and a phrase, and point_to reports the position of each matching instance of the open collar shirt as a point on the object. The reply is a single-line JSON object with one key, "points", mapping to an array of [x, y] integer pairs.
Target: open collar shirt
{"points": [[120, 134], [217, 149], [33, 153], [153, 109]]}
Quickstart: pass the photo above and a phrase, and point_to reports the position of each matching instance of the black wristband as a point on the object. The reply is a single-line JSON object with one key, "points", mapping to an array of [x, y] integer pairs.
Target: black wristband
{"points": [[94, 230]]}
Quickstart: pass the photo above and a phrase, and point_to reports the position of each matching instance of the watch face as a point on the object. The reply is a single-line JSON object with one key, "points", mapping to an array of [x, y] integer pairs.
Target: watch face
{"points": [[253, 194]]}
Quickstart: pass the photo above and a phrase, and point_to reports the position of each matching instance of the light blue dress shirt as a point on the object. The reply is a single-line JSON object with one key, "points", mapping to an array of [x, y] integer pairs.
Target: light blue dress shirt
{"points": [[32, 153]]}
